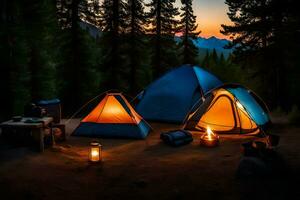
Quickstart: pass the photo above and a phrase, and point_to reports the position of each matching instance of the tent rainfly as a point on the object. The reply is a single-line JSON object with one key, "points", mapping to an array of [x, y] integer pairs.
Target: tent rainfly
{"points": [[113, 117], [229, 109], [170, 98]]}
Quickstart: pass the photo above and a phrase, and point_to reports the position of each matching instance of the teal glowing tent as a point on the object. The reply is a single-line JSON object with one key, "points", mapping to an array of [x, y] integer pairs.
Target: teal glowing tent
{"points": [[230, 108]]}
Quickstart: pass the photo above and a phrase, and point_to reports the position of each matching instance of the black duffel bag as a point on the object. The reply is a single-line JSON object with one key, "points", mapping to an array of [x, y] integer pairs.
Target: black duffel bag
{"points": [[177, 137]]}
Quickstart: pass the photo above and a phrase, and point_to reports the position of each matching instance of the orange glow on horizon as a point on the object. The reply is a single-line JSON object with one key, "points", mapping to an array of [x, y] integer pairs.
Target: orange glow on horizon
{"points": [[210, 15]]}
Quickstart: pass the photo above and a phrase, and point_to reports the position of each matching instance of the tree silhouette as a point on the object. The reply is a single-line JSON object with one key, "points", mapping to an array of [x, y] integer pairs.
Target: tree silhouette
{"points": [[163, 27], [112, 21], [261, 30], [188, 29], [135, 31]]}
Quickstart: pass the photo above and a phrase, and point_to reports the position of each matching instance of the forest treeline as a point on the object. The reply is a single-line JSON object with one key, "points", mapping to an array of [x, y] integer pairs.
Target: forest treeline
{"points": [[267, 43], [46, 52]]}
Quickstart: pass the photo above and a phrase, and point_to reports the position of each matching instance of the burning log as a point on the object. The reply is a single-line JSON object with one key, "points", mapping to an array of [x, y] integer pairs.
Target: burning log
{"points": [[210, 139]]}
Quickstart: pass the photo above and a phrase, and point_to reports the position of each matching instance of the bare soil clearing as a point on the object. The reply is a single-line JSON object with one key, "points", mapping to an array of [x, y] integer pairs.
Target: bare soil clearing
{"points": [[145, 169]]}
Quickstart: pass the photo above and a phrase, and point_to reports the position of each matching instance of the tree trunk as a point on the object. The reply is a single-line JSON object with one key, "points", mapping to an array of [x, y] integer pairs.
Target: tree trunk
{"points": [[133, 55], [157, 57]]}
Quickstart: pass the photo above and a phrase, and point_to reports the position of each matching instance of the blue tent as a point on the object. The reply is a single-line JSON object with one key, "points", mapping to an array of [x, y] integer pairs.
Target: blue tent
{"points": [[230, 108], [170, 97], [113, 117]]}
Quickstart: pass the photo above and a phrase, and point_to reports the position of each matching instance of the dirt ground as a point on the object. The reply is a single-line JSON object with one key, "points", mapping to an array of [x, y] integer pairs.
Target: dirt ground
{"points": [[146, 169]]}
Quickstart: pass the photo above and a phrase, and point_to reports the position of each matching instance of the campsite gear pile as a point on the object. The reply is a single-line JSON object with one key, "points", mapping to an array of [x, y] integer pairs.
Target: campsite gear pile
{"points": [[52, 107], [36, 113], [177, 137], [29, 131], [33, 110]]}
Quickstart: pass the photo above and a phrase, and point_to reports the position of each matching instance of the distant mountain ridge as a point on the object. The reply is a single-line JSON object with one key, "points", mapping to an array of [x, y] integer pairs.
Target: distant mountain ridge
{"points": [[204, 44], [209, 44]]}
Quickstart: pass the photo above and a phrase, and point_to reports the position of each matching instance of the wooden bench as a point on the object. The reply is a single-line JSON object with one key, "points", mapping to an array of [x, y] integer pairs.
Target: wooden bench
{"points": [[36, 128]]}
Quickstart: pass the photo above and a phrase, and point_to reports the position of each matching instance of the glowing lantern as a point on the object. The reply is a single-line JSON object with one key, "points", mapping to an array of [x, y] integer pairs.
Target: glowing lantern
{"points": [[209, 139], [95, 154]]}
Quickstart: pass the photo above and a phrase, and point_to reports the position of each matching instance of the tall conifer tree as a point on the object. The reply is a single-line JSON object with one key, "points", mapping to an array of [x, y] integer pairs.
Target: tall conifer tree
{"points": [[163, 27], [188, 29], [14, 62], [112, 20], [78, 67], [135, 41], [258, 36]]}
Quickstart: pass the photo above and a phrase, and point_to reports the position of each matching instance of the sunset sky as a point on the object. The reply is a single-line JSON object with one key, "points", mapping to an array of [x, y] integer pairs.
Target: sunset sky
{"points": [[210, 15]]}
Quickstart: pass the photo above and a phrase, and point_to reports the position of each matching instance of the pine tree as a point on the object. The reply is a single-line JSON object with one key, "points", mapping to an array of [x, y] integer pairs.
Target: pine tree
{"points": [[222, 60], [188, 29], [64, 13], [14, 50], [214, 55], [258, 33], [163, 27], [87, 10], [205, 61], [135, 32], [213, 60], [40, 20], [291, 39], [79, 66], [251, 25], [29, 30], [112, 20], [90, 12]]}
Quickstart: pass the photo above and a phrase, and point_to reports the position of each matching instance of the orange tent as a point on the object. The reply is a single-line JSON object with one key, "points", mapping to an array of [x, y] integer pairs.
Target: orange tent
{"points": [[113, 117]]}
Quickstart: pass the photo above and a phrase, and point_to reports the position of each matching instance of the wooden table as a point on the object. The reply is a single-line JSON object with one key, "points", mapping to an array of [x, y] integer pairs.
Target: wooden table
{"points": [[37, 128]]}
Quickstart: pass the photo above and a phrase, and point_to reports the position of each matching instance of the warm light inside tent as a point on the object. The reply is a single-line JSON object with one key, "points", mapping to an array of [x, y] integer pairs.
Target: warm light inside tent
{"points": [[110, 110], [224, 114], [95, 154], [209, 139], [114, 110], [240, 106], [221, 107]]}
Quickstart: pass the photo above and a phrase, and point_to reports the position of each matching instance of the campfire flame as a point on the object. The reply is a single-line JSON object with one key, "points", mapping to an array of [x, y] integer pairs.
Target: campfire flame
{"points": [[210, 134]]}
